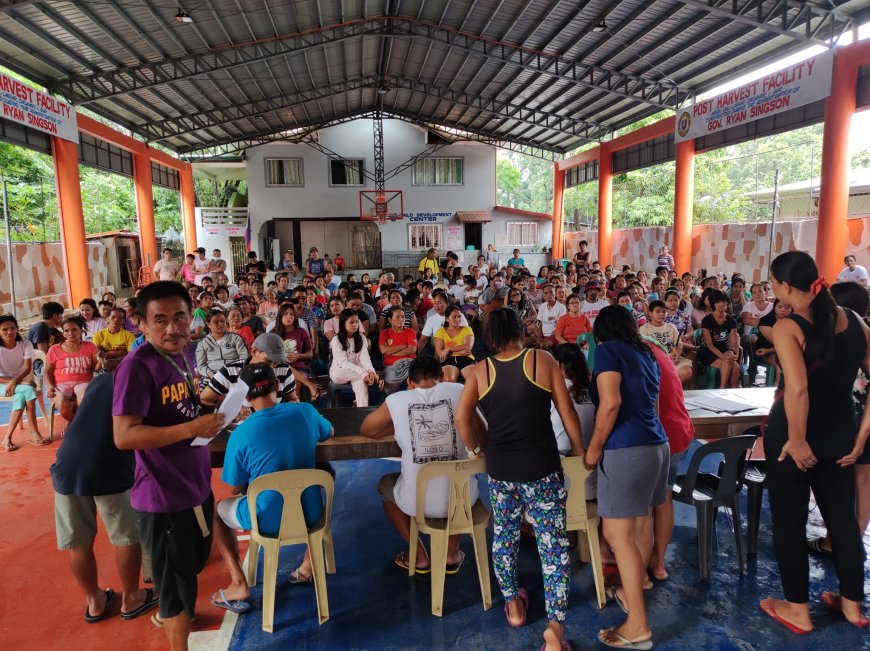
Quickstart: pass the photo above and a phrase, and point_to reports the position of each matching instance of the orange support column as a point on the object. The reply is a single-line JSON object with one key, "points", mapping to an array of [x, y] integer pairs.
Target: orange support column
{"points": [[188, 205], [558, 196], [833, 230], [145, 209], [684, 191], [605, 204], [72, 220]]}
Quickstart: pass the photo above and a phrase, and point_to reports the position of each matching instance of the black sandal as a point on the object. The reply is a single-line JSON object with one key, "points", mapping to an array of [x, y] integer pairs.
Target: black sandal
{"points": [[93, 619]]}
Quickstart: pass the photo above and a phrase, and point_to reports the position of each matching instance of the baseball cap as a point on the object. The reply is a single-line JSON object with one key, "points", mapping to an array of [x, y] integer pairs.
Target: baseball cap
{"points": [[312, 249], [591, 285], [257, 377], [273, 347]]}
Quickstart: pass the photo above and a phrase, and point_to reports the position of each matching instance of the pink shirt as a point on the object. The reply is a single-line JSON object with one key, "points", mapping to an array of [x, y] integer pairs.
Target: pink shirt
{"points": [[72, 367]]}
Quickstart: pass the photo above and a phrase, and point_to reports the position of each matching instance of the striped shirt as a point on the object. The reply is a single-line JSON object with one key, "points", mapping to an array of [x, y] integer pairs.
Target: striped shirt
{"points": [[225, 378]]}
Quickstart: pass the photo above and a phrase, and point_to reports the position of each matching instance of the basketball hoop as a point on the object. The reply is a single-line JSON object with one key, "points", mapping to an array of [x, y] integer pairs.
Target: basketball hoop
{"points": [[380, 206]]}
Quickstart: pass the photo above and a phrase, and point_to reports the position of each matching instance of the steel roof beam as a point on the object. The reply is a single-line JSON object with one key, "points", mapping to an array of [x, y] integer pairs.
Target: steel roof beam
{"points": [[783, 18], [90, 88]]}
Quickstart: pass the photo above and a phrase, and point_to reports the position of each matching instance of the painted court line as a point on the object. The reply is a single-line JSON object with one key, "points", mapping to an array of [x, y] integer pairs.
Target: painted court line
{"points": [[220, 639]]}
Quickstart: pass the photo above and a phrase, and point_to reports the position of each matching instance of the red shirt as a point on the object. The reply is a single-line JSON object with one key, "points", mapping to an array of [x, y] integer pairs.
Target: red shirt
{"points": [[672, 408], [425, 305], [390, 337], [570, 326]]}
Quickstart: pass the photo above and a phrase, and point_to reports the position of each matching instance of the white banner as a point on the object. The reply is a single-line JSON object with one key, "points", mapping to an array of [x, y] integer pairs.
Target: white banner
{"points": [[797, 85], [26, 105]]}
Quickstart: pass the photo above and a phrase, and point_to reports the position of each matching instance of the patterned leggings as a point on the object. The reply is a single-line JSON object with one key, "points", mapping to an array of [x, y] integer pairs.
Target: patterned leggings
{"points": [[544, 501]]}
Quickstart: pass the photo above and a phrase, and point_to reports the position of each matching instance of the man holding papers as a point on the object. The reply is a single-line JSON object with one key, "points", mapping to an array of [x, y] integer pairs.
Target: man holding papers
{"points": [[156, 412], [276, 437]]}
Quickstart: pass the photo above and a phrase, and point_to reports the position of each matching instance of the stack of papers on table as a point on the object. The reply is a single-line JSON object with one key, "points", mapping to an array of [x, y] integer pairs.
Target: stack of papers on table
{"points": [[711, 403]]}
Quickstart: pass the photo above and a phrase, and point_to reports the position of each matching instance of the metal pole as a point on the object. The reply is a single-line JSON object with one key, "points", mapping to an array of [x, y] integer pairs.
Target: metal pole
{"points": [[774, 208], [9, 258]]}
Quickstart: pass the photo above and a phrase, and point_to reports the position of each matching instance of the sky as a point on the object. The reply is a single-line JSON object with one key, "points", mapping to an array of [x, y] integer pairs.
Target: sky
{"points": [[860, 131]]}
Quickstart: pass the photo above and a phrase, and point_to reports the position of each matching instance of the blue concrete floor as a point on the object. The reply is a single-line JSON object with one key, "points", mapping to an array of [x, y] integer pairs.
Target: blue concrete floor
{"points": [[374, 605]]}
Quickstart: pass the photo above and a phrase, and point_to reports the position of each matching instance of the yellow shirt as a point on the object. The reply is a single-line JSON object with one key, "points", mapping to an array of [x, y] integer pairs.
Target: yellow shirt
{"points": [[106, 340], [426, 263], [459, 340]]}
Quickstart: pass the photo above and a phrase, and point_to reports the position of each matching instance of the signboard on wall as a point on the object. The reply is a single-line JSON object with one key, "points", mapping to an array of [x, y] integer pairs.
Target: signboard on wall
{"points": [[418, 217], [26, 105], [454, 238], [234, 231], [796, 85]]}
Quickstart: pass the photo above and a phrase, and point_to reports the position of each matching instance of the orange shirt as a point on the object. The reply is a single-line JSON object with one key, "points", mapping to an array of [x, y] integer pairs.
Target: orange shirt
{"points": [[570, 326]]}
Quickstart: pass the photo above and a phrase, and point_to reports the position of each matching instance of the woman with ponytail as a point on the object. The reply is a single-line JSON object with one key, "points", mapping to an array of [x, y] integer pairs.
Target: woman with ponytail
{"points": [[812, 440]]}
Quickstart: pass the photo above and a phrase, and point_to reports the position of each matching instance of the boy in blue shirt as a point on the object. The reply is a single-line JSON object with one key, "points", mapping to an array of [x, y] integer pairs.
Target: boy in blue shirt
{"points": [[276, 437]]}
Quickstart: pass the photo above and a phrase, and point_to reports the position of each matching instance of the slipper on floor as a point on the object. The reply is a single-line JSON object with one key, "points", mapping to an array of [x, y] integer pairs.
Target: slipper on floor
{"points": [[155, 619], [401, 560], [10, 447], [151, 600], [237, 606], [771, 612], [831, 600], [613, 593], [623, 642], [297, 579], [453, 568], [93, 619], [523, 596], [564, 646], [38, 443], [814, 546]]}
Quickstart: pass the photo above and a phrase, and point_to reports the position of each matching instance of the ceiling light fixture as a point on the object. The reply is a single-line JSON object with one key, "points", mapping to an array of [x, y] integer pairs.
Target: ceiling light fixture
{"points": [[183, 17], [383, 90], [600, 27], [497, 118]]}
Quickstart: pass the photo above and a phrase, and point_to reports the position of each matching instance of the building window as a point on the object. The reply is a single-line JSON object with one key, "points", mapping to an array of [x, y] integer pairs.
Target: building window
{"points": [[522, 233], [422, 237], [284, 172], [438, 171], [346, 172]]}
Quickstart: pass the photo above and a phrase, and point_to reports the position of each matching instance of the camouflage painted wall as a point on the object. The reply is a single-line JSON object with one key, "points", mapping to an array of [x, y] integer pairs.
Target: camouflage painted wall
{"points": [[39, 275], [726, 248]]}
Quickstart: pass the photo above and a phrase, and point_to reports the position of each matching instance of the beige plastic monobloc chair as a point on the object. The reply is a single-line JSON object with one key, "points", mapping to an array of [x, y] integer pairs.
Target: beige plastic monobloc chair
{"points": [[581, 515], [290, 484], [462, 517]]}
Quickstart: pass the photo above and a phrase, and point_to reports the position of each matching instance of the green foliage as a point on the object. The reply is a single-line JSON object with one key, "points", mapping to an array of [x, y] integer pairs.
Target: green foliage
{"points": [[223, 194], [524, 182], [108, 200]]}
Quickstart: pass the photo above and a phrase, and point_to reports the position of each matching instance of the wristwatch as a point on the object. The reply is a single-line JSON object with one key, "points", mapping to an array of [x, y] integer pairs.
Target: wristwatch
{"points": [[474, 452]]}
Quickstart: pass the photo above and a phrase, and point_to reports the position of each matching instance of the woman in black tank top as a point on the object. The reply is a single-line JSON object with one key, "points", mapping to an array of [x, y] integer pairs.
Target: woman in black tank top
{"points": [[812, 441], [515, 389]]}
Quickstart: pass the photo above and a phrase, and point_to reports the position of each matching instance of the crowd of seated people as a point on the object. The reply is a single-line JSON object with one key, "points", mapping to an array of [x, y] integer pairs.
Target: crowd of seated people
{"points": [[418, 340]]}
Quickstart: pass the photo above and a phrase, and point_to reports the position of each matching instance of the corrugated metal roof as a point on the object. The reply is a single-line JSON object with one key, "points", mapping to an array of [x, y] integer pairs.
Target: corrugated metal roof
{"points": [[539, 74]]}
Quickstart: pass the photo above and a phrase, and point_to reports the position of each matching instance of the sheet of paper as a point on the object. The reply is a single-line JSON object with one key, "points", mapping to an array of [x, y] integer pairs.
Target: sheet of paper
{"points": [[721, 404], [230, 408]]}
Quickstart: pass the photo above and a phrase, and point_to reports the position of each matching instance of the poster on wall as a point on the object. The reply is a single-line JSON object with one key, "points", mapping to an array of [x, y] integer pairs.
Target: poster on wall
{"points": [[26, 105], [796, 85], [454, 239]]}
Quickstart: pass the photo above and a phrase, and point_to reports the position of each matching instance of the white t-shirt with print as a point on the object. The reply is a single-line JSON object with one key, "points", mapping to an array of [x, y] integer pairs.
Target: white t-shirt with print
{"points": [[752, 310], [548, 316], [591, 310], [425, 430]]}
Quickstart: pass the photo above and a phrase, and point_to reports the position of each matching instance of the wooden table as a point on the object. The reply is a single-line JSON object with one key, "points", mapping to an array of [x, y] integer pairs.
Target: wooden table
{"points": [[347, 444]]}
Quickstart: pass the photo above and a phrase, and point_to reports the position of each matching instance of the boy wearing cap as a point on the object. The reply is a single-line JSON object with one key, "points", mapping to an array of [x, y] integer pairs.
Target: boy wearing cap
{"points": [[277, 437]]}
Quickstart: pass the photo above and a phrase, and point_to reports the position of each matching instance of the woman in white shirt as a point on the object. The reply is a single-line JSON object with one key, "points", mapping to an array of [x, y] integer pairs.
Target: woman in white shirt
{"points": [[350, 358], [16, 381]]}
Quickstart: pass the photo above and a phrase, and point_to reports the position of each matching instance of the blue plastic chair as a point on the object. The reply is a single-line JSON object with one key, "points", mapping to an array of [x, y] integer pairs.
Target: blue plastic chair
{"points": [[588, 339]]}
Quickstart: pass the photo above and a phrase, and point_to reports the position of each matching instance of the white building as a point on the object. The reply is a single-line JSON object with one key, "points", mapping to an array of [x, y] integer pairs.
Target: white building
{"points": [[300, 197]]}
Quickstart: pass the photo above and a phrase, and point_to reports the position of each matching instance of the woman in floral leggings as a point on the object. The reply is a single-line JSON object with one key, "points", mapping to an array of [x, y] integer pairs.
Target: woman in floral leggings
{"points": [[523, 463]]}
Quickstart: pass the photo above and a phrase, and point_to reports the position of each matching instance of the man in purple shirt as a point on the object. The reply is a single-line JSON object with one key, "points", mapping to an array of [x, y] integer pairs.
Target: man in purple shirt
{"points": [[156, 413]]}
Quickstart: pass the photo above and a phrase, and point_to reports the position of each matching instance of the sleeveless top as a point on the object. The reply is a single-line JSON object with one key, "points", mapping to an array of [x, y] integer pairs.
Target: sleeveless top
{"points": [[831, 424], [521, 446]]}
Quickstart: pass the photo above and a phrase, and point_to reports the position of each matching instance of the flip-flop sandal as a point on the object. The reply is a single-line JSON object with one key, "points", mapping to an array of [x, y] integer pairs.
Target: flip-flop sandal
{"points": [[401, 560], [93, 619], [831, 600], [523, 596], [10, 447], [814, 546], [151, 600], [38, 443], [771, 612], [622, 641], [297, 579], [613, 593], [235, 606], [453, 568], [155, 619], [565, 645]]}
